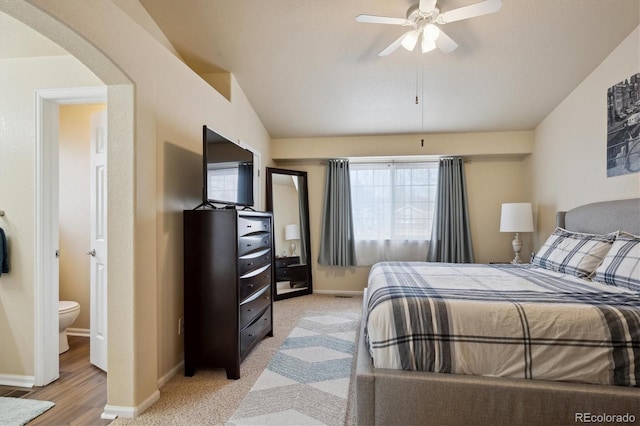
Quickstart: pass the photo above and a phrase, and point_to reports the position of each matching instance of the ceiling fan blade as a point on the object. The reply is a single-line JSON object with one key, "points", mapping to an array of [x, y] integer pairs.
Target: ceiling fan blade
{"points": [[446, 43], [482, 8], [393, 46], [371, 19], [427, 5]]}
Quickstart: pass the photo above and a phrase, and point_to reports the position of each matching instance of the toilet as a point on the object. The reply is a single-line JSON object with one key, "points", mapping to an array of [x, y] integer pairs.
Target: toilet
{"points": [[68, 311]]}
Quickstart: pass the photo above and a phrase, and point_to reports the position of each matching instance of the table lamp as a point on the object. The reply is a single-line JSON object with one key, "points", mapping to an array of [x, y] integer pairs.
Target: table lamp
{"points": [[292, 233], [516, 217]]}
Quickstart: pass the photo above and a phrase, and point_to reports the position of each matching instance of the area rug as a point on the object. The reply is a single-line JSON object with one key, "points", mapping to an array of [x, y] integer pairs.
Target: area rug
{"points": [[18, 411], [307, 380]]}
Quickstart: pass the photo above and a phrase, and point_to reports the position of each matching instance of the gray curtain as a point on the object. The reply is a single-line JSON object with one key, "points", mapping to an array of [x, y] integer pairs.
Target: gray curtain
{"points": [[336, 241], [451, 235]]}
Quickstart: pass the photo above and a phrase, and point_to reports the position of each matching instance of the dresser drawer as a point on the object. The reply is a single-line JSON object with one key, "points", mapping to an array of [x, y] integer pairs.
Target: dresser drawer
{"points": [[283, 262], [251, 283], [254, 261], [282, 274], [255, 331], [253, 225], [253, 306], [252, 243]]}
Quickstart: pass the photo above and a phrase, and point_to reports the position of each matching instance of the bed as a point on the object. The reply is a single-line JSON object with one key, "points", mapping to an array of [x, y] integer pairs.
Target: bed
{"points": [[522, 394]]}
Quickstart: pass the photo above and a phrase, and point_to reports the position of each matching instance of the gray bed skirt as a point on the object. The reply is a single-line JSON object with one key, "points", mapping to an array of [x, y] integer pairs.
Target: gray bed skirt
{"points": [[396, 397]]}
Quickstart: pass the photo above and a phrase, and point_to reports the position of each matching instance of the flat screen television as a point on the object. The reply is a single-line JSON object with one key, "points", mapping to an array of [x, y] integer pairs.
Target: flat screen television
{"points": [[227, 170]]}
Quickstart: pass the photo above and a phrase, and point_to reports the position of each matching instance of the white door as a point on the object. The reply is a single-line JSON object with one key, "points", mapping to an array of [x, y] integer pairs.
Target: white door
{"points": [[98, 249]]}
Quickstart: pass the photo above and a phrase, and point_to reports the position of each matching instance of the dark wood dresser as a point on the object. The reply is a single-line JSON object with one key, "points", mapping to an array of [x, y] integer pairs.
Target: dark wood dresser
{"points": [[228, 276]]}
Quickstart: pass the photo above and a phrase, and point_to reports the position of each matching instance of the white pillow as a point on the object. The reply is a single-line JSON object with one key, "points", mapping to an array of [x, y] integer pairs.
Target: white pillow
{"points": [[573, 253], [621, 266]]}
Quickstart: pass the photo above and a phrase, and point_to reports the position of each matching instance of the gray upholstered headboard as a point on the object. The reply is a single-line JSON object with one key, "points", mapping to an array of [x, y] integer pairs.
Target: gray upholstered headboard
{"points": [[602, 217]]}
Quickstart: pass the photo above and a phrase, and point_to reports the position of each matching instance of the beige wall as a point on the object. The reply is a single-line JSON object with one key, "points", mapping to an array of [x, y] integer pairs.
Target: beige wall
{"points": [[569, 161], [74, 152], [19, 79], [494, 174], [154, 179], [154, 173], [486, 144]]}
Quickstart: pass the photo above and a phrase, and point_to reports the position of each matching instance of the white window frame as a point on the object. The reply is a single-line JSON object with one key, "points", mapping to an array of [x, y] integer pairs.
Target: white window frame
{"points": [[393, 245]]}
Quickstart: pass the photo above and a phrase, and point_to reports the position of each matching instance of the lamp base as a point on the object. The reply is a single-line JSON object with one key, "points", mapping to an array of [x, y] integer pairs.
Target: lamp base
{"points": [[517, 247], [293, 249]]}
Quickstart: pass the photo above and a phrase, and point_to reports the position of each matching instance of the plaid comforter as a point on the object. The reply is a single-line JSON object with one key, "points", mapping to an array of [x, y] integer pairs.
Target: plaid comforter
{"points": [[515, 321]]}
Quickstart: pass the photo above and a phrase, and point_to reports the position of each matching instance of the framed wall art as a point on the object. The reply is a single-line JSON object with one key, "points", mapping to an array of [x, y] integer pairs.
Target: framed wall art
{"points": [[623, 127]]}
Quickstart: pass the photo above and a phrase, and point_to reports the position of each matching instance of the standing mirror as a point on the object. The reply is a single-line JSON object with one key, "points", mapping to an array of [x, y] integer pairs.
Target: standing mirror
{"points": [[288, 200]]}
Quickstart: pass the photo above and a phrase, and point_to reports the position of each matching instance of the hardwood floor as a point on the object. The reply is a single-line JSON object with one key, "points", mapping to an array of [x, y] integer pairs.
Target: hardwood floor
{"points": [[80, 393]]}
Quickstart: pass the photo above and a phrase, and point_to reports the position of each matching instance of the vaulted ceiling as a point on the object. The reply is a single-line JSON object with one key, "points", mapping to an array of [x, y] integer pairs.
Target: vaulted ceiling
{"points": [[309, 69]]}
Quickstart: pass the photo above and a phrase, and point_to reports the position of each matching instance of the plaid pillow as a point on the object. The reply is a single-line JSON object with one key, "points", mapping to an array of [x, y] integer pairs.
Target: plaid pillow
{"points": [[573, 253], [621, 266]]}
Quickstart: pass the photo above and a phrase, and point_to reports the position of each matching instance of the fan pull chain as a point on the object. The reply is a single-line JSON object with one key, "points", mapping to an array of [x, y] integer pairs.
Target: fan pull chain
{"points": [[417, 100], [422, 109]]}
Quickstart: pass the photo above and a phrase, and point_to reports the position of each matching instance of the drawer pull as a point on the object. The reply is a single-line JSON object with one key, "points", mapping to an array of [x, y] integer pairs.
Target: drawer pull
{"points": [[249, 310], [250, 335]]}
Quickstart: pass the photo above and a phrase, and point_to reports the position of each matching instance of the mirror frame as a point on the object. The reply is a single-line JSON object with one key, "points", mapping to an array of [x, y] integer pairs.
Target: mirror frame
{"points": [[307, 234]]}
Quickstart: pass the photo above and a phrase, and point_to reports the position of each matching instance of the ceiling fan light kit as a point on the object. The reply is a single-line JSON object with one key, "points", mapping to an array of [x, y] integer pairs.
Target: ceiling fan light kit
{"points": [[430, 32], [427, 45], [424, 20], [410, 39]]}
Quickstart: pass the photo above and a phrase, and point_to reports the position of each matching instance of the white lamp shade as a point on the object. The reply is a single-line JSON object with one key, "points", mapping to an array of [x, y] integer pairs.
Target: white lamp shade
{"points": [[410, 39], [427, 45], [516, 217], [430, 32], [292, 232]]}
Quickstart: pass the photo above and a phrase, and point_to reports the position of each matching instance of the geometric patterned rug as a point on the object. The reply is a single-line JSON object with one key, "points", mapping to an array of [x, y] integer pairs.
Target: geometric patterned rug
{"points": [[307, 380]]}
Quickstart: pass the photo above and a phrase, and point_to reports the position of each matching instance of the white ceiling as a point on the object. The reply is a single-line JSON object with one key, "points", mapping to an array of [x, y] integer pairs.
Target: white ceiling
{"points": [[309, 69]]}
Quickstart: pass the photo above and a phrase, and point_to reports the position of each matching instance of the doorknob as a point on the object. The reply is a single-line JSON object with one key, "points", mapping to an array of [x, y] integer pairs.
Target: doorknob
{"points": [[92, 252]]}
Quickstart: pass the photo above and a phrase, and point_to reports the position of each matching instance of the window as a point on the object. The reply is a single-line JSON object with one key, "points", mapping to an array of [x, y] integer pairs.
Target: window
{"points": [[392, 202], [222, 182]]}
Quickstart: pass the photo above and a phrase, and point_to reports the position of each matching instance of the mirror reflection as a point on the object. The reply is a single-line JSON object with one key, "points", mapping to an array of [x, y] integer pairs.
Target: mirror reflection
{"points": [[287, 198]]}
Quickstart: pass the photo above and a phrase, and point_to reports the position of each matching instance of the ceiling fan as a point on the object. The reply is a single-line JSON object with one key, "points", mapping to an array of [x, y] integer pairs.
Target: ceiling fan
{"points": [[424, 20]]}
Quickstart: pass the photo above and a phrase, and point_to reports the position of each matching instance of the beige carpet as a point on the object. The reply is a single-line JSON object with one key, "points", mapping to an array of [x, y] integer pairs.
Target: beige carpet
{"points": [[208, 398]]}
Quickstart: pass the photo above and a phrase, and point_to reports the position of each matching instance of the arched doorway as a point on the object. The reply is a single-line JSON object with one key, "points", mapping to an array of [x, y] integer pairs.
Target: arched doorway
{"points": [[120, 94]]}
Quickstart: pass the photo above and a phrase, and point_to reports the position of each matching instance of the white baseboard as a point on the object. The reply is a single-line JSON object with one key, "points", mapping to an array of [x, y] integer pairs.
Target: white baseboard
{"points": [[164, 379], [17, 381], [81, 332], [340, 292], [112, 411]]}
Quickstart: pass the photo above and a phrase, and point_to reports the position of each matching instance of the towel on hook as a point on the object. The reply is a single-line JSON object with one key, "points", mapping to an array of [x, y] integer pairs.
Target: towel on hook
{"points": [[4, 253]]}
